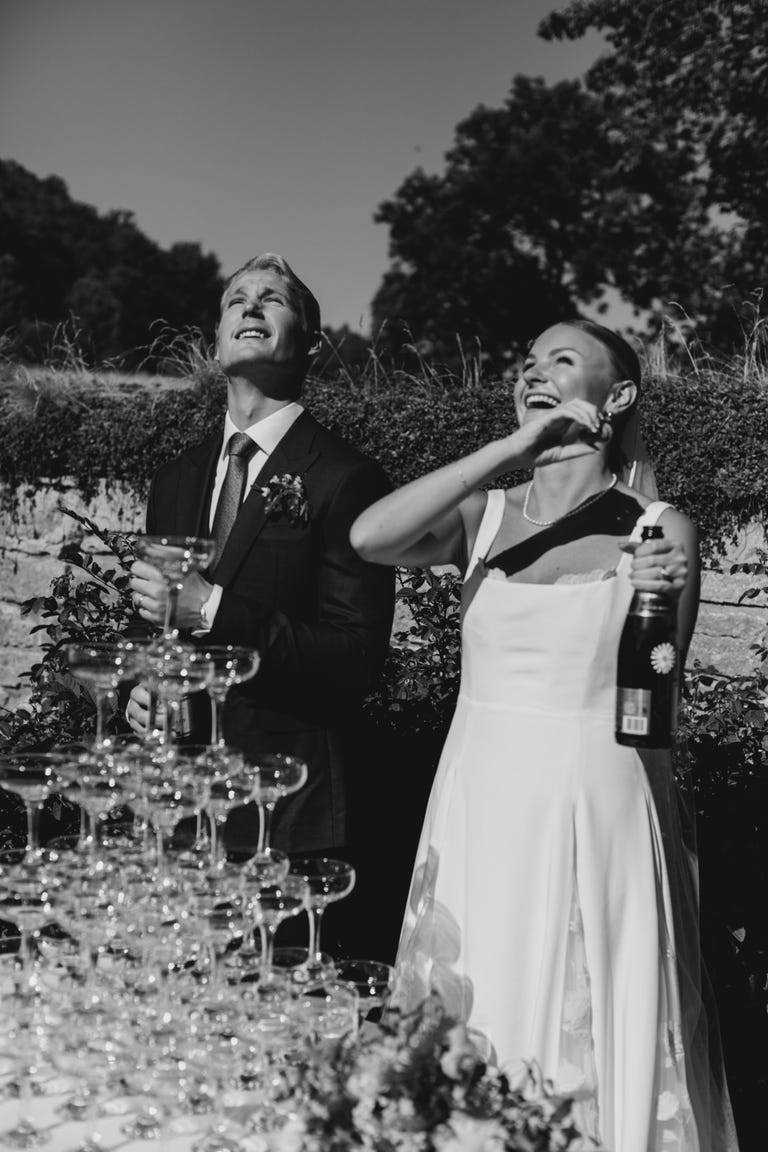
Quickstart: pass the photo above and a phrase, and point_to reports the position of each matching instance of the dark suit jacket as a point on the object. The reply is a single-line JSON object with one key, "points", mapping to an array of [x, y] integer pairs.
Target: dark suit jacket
{"points": [[319, 616]]}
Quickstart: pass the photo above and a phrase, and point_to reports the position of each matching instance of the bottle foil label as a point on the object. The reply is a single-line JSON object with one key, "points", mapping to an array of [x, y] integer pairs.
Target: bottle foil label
{"points": [[633, 711]]}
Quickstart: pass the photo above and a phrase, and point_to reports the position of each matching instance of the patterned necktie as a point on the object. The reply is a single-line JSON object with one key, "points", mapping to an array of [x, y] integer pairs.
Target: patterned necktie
{"points": [[240, 449]]}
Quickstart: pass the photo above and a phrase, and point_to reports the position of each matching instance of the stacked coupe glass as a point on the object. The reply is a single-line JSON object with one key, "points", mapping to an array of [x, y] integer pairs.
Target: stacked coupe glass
{"points": [[143, 994]]}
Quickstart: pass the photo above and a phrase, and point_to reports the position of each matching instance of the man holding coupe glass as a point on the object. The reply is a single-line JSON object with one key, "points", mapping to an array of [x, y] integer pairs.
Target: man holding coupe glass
{"points": [[284, 579]]}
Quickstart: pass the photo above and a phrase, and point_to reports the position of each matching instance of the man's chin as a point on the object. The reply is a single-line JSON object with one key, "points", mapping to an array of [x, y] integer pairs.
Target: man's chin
{"points": [[276, 381]]}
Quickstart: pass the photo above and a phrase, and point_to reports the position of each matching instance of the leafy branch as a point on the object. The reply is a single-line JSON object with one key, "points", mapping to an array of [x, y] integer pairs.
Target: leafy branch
{"points": [[88, 603], [421, 676]]}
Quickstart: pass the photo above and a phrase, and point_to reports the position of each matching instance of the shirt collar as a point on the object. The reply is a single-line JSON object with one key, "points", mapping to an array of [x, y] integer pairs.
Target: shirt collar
{"points": [[267, 433]]}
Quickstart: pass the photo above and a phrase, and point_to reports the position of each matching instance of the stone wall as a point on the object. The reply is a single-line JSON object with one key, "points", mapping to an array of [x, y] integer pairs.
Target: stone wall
{"points": [[726, 629], [33, 535]]}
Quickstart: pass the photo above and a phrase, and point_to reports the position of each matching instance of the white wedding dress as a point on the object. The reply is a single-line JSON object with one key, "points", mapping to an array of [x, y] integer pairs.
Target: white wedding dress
{"points": [[541, 907]]}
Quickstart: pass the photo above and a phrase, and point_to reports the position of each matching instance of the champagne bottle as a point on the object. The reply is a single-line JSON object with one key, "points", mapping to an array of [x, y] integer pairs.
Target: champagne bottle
{"points": [[647, 673]]}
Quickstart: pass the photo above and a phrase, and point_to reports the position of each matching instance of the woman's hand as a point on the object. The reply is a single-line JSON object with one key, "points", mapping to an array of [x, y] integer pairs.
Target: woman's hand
{"points": [[575, 428], [657, 566]]}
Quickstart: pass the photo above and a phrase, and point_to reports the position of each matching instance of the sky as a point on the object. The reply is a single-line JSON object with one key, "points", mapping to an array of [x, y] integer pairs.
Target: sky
{"points": [[261, 125]]}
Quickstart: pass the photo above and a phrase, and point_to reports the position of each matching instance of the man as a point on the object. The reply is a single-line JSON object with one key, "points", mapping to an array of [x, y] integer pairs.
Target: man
{"points": [[284, 581]]}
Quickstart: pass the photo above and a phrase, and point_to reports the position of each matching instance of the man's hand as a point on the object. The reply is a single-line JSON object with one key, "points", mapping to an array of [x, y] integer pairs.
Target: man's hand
{"points": [[137, 710], [150, 594]]}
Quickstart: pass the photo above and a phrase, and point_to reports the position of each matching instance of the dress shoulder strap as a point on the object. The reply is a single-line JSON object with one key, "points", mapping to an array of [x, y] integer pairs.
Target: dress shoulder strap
{"points": [[649, 516], [489, 526]]}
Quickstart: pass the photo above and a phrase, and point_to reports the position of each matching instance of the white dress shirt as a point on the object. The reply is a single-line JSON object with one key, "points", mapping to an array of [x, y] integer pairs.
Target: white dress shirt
{"points": [[267, 434]]}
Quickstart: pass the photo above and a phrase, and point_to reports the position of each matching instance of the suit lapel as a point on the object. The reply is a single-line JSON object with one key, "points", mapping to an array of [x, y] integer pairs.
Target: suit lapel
{"points": [[195, 485], [294, 454]]}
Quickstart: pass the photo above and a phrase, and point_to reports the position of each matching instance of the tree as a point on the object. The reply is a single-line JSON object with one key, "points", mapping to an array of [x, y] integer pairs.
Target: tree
{"points": [[483, 251], [635, 182], [60, 258], [692, 77]]}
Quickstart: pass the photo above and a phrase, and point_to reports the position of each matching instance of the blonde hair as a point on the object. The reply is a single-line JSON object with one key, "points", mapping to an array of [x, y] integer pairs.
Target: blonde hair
{"points": [[304, 300]]}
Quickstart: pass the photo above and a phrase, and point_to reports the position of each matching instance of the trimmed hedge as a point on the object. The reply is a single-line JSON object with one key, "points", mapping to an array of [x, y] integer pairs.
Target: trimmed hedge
{"points": [[707, 434]]}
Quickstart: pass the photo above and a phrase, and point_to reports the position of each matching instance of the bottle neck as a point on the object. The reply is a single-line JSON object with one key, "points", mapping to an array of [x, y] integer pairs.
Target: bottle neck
{"points": [[651, 604]]}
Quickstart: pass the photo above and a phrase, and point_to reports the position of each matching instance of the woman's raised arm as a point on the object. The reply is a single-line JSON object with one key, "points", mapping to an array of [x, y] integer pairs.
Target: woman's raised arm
{"points": [[430, 520]]}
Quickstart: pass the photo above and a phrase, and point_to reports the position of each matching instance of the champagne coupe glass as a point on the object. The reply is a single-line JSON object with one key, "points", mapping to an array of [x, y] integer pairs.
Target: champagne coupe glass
{"points": [[231, 665], [219, 912], [21, 1045], [175, 557], [264, 868], [173, 672], [202, 763], [275, 775], [292, 962], [26, 899], [226, 790], [270, 904], [163, 1082], [156, 1080], [168, 801], [89, 909], [161, 916], [94, 780], [32, 776], [331, 1010], [140, 765], [102, 667], [372, 980], [327, 880], [223, 1045], [96, 783], [94, 1061]]}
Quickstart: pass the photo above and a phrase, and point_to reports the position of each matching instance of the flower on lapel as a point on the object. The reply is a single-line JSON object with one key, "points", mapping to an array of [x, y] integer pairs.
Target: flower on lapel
{"points": [[286, 496]]}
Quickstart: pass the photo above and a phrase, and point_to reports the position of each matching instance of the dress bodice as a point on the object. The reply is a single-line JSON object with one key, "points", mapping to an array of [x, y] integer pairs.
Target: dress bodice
{"points": [[556, 643], [547, 647]]}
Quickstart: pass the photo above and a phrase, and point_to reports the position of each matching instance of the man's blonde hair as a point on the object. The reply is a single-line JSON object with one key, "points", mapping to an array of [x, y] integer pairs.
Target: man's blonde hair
{"points": [[304, 300]]}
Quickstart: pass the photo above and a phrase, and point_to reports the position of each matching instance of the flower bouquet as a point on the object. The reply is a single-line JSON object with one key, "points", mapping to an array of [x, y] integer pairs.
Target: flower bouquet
{"points": [[417, 1084]]}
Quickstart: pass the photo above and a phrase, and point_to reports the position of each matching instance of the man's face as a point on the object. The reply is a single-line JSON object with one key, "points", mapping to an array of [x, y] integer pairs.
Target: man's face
{"points": [[260, 327]]}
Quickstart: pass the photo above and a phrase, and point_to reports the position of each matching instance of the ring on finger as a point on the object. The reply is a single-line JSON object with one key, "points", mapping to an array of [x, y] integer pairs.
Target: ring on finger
{"points": [[664, 572]]}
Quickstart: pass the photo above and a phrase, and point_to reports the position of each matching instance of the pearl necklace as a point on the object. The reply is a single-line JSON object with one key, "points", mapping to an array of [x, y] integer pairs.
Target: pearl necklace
{"points": [[584, 504]]}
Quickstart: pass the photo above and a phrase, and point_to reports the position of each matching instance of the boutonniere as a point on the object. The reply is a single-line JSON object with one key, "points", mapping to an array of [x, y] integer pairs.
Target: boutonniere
{"points": [[286, 495]]}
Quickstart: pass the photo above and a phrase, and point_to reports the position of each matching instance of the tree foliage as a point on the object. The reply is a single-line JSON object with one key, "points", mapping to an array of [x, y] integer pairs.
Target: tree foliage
{"points": [[646, 179], [59, 258], [484, 251], [692, 77]]}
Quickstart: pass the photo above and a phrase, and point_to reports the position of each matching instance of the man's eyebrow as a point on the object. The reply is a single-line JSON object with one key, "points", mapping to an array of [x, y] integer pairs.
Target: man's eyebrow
{"points": [[284, 292]]}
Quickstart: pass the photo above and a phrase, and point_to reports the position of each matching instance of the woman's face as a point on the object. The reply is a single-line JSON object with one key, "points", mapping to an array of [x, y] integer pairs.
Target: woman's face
{"points": [[564, 363]]}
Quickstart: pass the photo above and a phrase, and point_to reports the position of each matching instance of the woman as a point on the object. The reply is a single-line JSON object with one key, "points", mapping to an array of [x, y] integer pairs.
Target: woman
{"points": [[551, 881]]}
